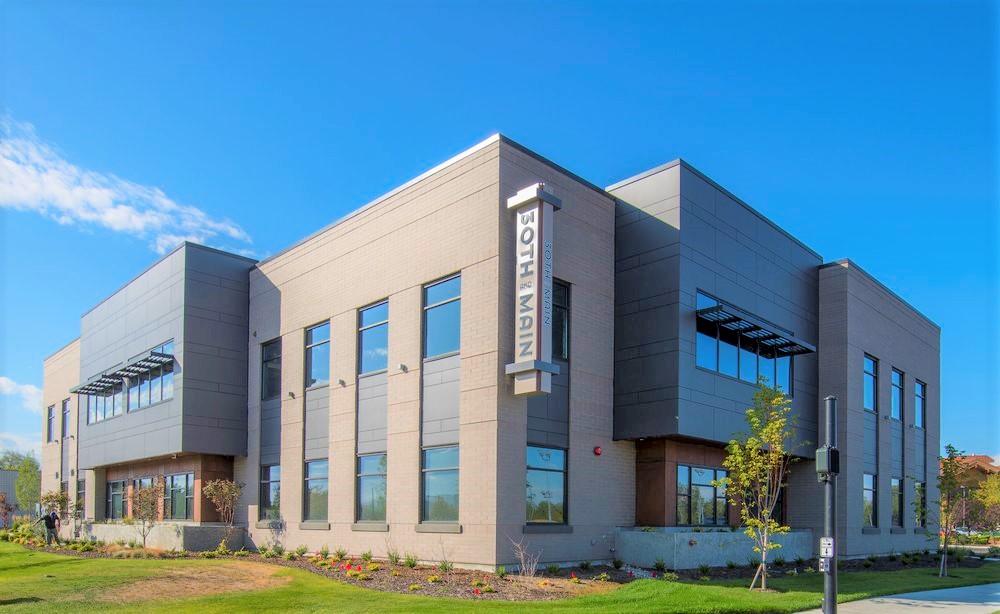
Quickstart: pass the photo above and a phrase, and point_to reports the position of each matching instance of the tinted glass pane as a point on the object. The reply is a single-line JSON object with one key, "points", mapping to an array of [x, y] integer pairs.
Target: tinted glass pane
{"points": [[918, 408], [560, 333], [706, 351], [869, 365], [727, 356], [316, 500], [703, 301], [318, 334], [371, 497], [154, 386], [133, 393], [765, 368], [375, 314], [702, 505], [375, 463], [869, 481], [546, 458], [683, 509], [545, 496], [783, 373], [271, 350], [442, 329], [442, 291], [869, 392], [683, 480], [441, 458], [168, 382], [271, 473], [868, 512], [702, 476], [318, 365], [143, 390], [748, 361], [897, 508], [560, 294], [897, 401], [441, 496], [317, 469], [374, 349]]}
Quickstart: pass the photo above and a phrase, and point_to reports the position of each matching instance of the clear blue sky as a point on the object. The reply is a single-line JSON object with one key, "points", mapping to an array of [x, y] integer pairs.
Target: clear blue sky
{"points": [[867, 130]]}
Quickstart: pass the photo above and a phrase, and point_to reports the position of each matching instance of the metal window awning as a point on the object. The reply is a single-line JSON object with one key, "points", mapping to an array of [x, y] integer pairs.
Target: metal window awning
{"points": [[138, 366], [735, 319]]}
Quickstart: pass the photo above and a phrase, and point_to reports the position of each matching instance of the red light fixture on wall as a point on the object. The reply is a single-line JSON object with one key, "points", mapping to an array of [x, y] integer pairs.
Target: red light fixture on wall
{"points": [[598, 451]]}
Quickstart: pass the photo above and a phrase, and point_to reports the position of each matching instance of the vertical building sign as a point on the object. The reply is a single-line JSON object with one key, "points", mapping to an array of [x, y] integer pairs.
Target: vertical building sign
{"points": [[532, 367]]}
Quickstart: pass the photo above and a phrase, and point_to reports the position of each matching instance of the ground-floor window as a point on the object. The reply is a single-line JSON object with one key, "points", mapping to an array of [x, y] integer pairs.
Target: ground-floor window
{"points": [[698, 501], [439, 485], [545, 497], [371, 487], [269, 505], [920, 496], [869, 501], [897, 502], [81, 498], [316, 492], [178, 497], [115, 504]]}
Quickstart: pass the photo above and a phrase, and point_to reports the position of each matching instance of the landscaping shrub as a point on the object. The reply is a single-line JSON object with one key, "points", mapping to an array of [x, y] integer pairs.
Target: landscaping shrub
{"points": [[502, 572], [617, 563], [413, 587], [433, 579], [704, 569], [340, 554], [779, 562], [366, 556], [410, 560], [552, 569], [392, 555], [671, 576], [301, 550], [660, 565], [584, 565], [446, 566], [324, 552], [730, 564]]}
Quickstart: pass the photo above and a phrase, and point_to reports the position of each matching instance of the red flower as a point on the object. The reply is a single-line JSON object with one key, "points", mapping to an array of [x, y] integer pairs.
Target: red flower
{"points": [[572, 574], [476, 591], [654, 574], [631, 575], [358, 567]]}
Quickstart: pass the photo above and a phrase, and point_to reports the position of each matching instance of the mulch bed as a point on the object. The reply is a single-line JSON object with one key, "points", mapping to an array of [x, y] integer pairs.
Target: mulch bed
{"points": [[471, 584]]}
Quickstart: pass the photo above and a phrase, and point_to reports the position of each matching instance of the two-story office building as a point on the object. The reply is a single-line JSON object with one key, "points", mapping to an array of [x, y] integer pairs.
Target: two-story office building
{"points": [[497, 350]]}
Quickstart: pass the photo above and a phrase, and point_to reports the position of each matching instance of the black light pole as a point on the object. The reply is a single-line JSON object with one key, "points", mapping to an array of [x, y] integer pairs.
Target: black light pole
{"points": [[827, 468]]}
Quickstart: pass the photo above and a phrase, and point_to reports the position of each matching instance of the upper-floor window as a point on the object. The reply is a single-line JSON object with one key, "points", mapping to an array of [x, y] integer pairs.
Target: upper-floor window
{"points": [[896, 400], [373, 338], [726, 351], [318, 355], [443, 317], [50, 424], [919, 404], [698, 501], [560, 320], [270, 373], [871, 383], [65, 418]]}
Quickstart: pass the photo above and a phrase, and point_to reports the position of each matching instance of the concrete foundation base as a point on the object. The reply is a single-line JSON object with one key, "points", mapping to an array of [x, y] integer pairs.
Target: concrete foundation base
{"points": [[682, 548], [165, 536]]}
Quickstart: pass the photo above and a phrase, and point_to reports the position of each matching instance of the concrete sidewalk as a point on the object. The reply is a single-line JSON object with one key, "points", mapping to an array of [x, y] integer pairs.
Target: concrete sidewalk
{"points": [[982, 599]]}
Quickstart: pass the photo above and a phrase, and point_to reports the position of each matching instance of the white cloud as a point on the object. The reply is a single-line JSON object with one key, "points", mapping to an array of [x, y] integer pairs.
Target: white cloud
{"points": [[20, 443], [996, 459], [31, 396], [35, 177]]}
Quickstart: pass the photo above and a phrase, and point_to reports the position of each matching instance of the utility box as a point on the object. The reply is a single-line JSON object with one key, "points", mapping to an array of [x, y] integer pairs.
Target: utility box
{"points": [[828, 460]]}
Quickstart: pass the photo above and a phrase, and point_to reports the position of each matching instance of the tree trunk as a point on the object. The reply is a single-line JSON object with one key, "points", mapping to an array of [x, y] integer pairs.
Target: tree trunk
{"points": [[943, 569], [763, 559]]}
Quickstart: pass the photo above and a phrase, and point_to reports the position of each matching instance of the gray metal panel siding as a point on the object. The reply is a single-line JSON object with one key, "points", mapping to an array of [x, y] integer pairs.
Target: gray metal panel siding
{"points": [[270, 432], [548, 414], [896, 449], [871, 443], [7, 480], [440, 401], [373, 409], [197, 297], [317, 427]]}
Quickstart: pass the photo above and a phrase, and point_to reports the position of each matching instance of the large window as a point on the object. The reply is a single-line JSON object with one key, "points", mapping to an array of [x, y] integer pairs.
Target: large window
{"points": [[270, 374], [920, 497], [440, 485], [725, 351], [896, 492], [896, 406], [869, 511], [316, 493], [698, 501], [546, 485], [442, 317], [269, 505], [871, 383], [65, 418], [318, 355], [560, 320], [373, 338], [919, 404], [154, 386], [50, 424], [371, 488], [115, 503], [178, 497]]}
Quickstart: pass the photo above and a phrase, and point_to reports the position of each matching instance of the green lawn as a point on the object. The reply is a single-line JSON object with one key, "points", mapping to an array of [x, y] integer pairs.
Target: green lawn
{"points": [[37, 581]]}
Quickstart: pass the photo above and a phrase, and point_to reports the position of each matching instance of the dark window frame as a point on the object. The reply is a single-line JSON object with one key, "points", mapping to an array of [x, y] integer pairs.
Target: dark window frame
{"points": [[565, 348], [168, 495], [897, 403], [81, 497], [276, 505], [896, 496], [109, 507], [919, 404], [307, 482], [873, 375], [565, 488], [50, 424], [715, 496], [362, 328], [309, 348], [920, 499], [359, 474], [424, 471], [874, 497], [265, 363], [428, 308], [65, 418]]}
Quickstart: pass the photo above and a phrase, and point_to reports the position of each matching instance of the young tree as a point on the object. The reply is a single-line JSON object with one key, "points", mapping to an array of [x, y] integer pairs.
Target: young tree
{"points": [[54, 500], [224, 495], [758, 464], [950, 483], [12, 459], [28, 486], [988, 497], [145, 508]]}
